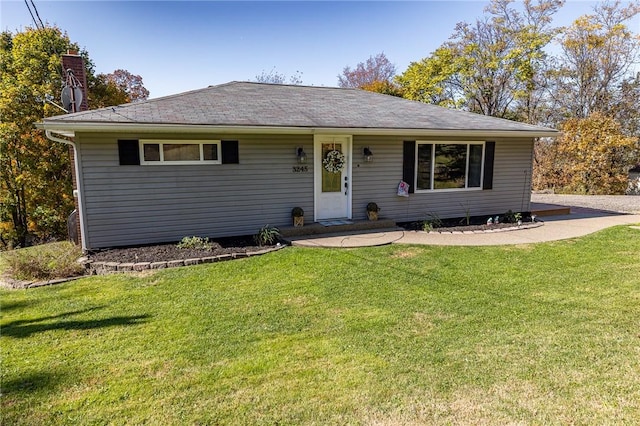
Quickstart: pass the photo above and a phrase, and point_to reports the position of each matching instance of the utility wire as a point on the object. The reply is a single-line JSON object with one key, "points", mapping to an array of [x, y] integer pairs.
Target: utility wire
{"points": [[31, 13], [37, 14], [40, 26]]}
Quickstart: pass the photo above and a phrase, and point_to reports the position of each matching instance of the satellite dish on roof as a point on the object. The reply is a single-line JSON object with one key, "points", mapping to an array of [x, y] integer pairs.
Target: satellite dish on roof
{"points": [[71, 96], [71, 93]]}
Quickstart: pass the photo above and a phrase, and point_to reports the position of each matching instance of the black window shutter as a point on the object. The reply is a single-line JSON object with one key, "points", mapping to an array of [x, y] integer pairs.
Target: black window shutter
{"points": [[489, 154], [129, 152], [409, 164], [230, 152]]}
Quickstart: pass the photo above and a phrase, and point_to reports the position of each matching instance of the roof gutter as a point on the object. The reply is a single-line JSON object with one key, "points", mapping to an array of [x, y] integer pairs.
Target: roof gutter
{"points": [[69, 129], [79, 192]]}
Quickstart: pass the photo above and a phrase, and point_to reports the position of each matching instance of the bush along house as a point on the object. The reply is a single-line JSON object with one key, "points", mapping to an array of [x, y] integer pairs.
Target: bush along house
{"points": [[228, 159]]}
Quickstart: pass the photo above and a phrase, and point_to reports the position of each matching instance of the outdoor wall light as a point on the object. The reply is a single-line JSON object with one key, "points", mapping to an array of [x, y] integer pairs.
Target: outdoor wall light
{"points": [[301, 155], [368, 155]]}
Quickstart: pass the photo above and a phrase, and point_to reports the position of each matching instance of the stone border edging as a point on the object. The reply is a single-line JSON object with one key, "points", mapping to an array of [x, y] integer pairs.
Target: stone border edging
{"points": [[486, 231], [12, 284], [104, 268]]}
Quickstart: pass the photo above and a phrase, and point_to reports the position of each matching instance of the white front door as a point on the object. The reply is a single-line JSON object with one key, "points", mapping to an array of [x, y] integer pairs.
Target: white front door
{"points": [[332, 177]]}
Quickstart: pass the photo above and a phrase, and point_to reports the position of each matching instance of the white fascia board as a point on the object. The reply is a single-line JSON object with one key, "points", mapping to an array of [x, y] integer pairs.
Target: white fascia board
{"points": [[441, 132], [69, 129]]}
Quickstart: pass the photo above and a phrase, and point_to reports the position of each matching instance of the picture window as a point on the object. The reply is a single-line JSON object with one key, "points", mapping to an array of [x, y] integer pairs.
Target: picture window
{"points": [[449, 166]]}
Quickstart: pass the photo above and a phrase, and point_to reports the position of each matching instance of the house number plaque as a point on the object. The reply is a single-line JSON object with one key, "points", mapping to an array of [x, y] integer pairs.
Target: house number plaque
{"points": [[300, 169]]}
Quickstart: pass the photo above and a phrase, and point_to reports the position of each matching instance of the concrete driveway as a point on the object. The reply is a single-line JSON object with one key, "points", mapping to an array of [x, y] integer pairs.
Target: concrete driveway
{"points": [[613, 203]]}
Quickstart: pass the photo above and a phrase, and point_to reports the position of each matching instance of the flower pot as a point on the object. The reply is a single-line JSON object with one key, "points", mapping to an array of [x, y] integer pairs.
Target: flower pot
{"points": [[372, 215], [298, 221]]}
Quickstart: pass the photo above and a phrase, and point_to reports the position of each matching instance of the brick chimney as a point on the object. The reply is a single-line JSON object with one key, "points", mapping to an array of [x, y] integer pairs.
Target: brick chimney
{"points": [[74, 62]]}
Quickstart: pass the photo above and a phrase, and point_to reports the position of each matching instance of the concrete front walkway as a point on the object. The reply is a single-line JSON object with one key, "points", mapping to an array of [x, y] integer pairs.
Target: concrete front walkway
{"points": [[579, 223]]}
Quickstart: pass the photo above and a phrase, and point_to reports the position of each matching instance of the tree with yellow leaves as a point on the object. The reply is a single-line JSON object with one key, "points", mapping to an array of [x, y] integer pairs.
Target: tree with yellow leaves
{"points": [[598, 52], [591, 157], [35, 173]]}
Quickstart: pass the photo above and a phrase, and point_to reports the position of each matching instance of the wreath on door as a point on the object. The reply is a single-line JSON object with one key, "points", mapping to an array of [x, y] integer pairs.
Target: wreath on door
{"points": [[334, 161]]}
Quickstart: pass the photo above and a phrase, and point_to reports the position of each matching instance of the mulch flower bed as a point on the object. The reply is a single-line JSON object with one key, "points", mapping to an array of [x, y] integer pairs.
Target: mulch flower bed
{"points": [[162, 256], [476, 224], [472, 228], [167, 252]]}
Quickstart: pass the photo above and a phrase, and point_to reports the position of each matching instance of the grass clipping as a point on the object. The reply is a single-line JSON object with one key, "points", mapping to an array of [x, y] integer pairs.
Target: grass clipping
{"points": [[42, 263]]}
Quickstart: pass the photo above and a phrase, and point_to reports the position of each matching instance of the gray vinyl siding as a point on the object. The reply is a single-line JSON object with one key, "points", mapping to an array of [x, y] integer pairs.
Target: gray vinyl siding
{"points": [[378, 182], [127, 205]]}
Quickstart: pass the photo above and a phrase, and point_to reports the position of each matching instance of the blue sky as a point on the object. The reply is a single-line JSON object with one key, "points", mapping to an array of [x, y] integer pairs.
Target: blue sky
{"points": [[179, 46]]}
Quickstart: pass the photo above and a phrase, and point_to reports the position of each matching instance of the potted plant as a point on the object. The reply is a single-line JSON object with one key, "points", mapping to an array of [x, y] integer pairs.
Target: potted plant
{"points": [[298, 216], [372, 211]]}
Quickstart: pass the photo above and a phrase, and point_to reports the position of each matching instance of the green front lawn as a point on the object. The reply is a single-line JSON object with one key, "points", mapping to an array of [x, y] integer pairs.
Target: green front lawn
{"points": [[540, 334]]}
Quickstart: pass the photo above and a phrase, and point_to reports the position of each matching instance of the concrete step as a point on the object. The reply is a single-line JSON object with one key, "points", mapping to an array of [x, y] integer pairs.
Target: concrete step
{"points": [[318, 229]]}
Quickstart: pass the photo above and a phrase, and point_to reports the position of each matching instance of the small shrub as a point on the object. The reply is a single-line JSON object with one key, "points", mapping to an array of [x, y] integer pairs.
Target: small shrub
{"points": [[267, 235], [297, 212], [432, 222], [511, 217], [194, 243], [427, 226], [45, 262]]}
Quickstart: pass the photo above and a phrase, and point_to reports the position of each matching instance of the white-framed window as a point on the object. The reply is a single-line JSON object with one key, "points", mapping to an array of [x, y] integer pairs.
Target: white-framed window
{"points": [[163, 151], [449, 166]]}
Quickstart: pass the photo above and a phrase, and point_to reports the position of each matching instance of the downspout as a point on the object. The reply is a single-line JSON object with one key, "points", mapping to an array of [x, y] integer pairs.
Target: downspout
{"points": [[79, 191]]}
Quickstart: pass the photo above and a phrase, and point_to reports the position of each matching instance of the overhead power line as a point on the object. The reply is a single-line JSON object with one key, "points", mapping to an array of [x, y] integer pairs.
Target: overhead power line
{"points": [[37, 14], [37, 22], [31, 13]]}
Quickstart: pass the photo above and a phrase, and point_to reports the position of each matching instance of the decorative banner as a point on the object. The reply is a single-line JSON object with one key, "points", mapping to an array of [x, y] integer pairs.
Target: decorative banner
{"points": [[403, 189]]}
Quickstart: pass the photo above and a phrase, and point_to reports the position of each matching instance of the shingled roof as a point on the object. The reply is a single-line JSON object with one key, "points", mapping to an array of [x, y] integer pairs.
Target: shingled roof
{"points": [[259, 105]]}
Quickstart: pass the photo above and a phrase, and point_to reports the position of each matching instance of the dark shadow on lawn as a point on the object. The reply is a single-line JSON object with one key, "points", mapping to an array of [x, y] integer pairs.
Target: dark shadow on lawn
{"points": [[10, 306], [50, 317], [31, 382], [25, 328]]}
